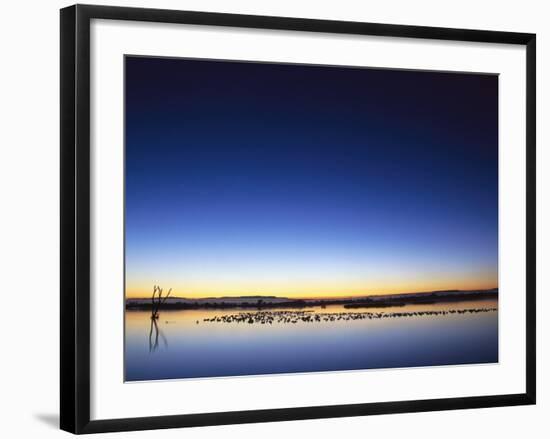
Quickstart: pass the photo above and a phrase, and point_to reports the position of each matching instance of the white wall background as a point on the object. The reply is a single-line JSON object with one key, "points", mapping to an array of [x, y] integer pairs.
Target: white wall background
{"points": [[29, 206]]}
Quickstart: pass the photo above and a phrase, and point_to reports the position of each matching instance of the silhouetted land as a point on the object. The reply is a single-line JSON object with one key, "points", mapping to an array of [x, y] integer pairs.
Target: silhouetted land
{"points": [[270, 302]]}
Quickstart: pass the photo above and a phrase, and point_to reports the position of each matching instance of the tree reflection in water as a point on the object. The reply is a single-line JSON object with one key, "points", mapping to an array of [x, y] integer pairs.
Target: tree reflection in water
{"points": [[154, 333]]}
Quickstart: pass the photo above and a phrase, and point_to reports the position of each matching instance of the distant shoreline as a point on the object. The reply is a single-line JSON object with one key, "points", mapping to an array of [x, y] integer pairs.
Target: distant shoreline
{"points": [[265, 302]]}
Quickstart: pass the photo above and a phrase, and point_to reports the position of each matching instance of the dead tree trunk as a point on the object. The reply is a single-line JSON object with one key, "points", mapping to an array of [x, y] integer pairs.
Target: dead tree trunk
{"points": [[157, 300]]}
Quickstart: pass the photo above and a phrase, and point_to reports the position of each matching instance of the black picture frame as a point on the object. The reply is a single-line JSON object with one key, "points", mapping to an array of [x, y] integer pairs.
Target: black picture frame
{"points": [[75, 217]]}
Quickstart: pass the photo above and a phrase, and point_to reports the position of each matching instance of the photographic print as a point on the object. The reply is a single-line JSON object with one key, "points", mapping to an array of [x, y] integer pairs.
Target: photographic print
{"points": [[293, 218]]}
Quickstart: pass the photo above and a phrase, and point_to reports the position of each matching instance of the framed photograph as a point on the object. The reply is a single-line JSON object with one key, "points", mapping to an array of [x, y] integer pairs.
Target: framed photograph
{"points": [[268, 218]]}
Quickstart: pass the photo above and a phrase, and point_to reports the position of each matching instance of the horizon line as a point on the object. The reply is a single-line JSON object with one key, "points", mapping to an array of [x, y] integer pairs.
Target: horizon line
{"points": [[317, 297]]}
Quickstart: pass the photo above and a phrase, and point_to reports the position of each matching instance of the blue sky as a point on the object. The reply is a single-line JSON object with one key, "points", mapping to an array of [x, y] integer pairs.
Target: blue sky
{"points": [[252, 178]]}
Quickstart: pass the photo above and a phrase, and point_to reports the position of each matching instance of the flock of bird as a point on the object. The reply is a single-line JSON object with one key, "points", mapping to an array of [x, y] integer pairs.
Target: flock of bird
{"points": [[310, 316]]}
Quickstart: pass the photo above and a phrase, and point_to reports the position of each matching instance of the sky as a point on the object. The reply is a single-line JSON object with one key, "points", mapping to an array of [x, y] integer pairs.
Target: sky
{"points": [[248, 178]]}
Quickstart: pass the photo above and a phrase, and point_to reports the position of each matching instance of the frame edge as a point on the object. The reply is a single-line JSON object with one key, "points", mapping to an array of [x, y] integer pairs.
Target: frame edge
{"points": [[67, 418], [303, 413], [531, 216]]}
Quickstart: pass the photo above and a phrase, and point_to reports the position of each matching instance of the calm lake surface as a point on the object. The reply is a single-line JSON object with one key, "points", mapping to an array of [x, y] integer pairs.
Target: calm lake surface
{"points": [[179, 347]]}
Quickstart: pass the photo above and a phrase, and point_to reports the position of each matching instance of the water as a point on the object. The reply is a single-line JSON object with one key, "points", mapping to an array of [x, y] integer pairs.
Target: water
{"points": [[179, 347]]}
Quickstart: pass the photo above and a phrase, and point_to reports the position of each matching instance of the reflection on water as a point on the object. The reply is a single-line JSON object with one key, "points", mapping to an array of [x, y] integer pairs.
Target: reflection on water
{"points": [[209, 343], [154, 333]]}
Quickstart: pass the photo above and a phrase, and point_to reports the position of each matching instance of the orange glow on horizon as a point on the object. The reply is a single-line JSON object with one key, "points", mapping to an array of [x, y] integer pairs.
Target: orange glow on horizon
{"points": [[312, 290]]}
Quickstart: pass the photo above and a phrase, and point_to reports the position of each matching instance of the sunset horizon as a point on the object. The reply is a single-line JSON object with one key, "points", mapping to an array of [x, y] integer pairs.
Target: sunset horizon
{"points": [[142, 294]]}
